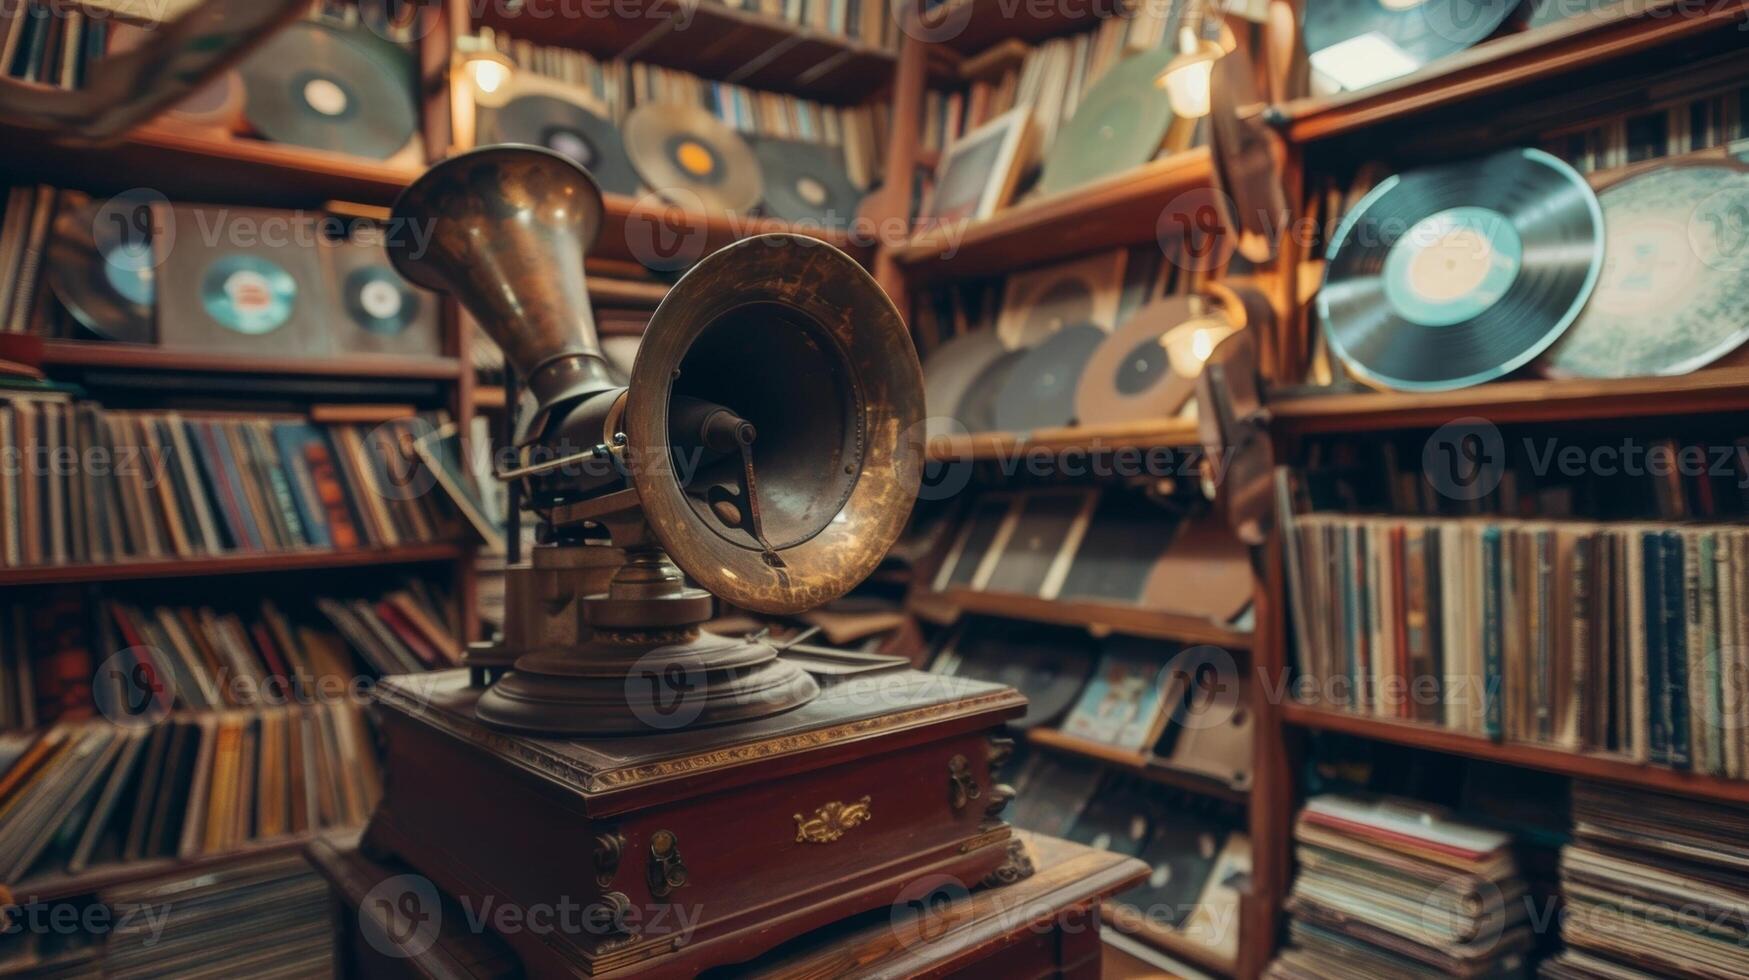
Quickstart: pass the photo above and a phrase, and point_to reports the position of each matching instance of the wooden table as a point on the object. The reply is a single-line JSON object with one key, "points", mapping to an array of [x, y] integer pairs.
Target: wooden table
{"points": [[1045, 925]]}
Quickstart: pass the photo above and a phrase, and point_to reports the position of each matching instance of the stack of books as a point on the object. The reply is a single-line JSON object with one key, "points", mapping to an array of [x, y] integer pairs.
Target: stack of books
{"points": [[1392, 888], [1655, 886]]}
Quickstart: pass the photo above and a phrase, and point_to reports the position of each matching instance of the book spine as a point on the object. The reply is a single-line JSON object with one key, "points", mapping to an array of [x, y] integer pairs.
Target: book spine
{"points": [[1491, 634]]}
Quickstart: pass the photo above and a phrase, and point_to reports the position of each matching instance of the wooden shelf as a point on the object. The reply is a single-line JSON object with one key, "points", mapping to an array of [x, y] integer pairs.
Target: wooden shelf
{"points": [[1607, 768], [49, 888], [711, 39], [245, 564], [1173, 944], [192, 165], [1711, 390], [1124, 209], [1508, 64], [1136, 763], [970, 26], [1164, 433], [1098, 617], [104, 354]]}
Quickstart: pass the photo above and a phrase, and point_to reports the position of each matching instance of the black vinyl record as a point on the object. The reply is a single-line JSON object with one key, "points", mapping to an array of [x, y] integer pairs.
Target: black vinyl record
{"points": [[1049, 666], [806, 181], [977, 407], [110, 292], [1040, 390], [317, 86], [567, 128], [951, 370], [1454, 275], [1412, 32]]}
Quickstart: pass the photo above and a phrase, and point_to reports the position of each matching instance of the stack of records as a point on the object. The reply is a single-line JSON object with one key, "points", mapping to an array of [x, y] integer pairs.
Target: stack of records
{"points": [[1391, 888], [268, 916], [1655, 886]]}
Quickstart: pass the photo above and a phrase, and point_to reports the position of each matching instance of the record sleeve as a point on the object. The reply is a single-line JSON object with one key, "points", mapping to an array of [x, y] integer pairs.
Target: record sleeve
{"points": [[372, 309], [1038, 302], [1046, 531], [217, 295]]}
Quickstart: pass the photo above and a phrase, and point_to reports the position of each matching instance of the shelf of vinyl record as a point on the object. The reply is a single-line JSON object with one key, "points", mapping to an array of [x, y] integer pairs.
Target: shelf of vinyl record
{"points": [[1608, 650], [1507, 61], [210, 732], [1144, 764], [105, 494]]}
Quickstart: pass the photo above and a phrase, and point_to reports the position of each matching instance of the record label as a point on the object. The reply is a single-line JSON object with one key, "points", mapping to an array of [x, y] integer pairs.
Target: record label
{"points": [[378, 302], [1452, 266], [326, 97], [249, 294]]}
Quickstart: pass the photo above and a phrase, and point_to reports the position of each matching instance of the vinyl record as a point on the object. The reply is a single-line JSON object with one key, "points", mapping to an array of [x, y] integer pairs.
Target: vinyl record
{"points": [[683, 152], [1038, 302], [806, 181], [317, 86], [1119, 125], [977, 408], [950, 373], [370, 308], [1454, 275], [1040, 391], [111, 292], [1399, 36], [1672, 296], [1147, 368], [248, 294], [565, 126]]}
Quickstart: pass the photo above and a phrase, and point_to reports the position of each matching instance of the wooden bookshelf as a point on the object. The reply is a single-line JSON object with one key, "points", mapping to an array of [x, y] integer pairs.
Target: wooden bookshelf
{"points": [[1137, 764], [50, 888], [1173, 944], [104, 354], [645, 229], [225, 565], [1712, 390], [710, 39], [1100, 618], [1597, 766], [191, 165], [979, 446], [1512, 62], [1124, 209]]}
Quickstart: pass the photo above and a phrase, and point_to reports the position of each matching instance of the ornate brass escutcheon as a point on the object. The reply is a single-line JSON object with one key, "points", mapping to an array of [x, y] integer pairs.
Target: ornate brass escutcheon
{"points": [[831, 821], [962, 786], [608, 848], [666, 870]]}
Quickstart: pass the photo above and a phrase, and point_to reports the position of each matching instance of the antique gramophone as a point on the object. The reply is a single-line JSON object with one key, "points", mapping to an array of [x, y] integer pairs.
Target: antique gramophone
{"points": [[767, 444]]}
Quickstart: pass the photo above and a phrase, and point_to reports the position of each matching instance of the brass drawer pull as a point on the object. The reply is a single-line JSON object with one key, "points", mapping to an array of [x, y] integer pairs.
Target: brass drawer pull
{"points": [[831, 821]]}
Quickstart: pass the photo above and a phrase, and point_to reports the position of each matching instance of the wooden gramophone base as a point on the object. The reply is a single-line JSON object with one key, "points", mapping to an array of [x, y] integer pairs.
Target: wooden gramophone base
{"points": [[680, 851]]}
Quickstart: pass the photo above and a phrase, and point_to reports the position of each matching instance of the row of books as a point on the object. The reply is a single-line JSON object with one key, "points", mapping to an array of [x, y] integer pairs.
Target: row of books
{"points": [[1622, 638], [24, 235], [1654, 886], [1672, 129], [1052, 77], [870, 21], [82, 794], [618, 86], [50, 43], [1396, 888], [61, 658], [95, 484], [1200, 860]]}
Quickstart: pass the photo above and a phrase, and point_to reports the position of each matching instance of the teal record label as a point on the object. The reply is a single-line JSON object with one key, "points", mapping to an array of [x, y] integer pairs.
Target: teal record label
{"points": [[1452, 266], [249, 294], [131, 271]]}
